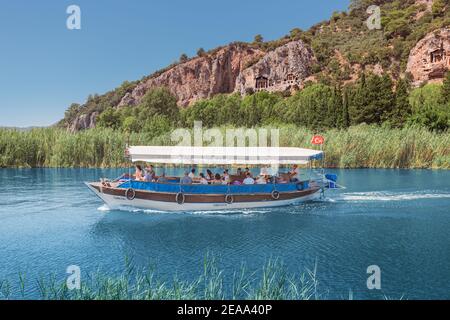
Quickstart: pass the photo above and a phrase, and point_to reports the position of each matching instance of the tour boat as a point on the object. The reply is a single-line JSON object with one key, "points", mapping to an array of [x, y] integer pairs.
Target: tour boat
{"points": [[174, 196]]}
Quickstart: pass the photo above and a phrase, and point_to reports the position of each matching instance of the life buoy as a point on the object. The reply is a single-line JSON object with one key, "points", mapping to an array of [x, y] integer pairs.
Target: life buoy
{"points": [[300, 186], [130, 194], [180, 198], [275, 195], [229, 198]]}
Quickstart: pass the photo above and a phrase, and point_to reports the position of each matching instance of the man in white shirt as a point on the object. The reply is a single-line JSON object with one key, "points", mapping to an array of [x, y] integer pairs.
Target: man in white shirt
{"points": [[264, 171], [249, 179], [261, 180], [192, 174]]}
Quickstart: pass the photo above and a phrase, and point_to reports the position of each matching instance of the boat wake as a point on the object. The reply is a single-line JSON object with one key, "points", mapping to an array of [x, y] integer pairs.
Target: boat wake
{"points": [[390, 196], [104, 208]]}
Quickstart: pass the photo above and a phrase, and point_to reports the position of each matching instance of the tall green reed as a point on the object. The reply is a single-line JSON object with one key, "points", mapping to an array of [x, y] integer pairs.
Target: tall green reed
{"points": [[361, 146]]}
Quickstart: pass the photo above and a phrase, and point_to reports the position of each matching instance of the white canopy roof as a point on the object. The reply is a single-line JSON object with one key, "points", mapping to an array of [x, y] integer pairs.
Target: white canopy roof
{"points": [[223, 155]]}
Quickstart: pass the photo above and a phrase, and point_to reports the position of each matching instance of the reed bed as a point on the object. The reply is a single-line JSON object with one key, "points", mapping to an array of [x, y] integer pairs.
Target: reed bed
{"points": [[272, 282], [361, 146]]}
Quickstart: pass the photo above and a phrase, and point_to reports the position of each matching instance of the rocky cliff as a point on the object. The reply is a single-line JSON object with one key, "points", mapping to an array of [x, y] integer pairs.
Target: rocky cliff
{"points": [[430, 58], [83, 121], [282, 69], [336, 51], [201, 77]]}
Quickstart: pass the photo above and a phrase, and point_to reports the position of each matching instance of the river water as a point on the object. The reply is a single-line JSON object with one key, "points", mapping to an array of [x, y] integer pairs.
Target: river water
{"points": [[398, 220]]}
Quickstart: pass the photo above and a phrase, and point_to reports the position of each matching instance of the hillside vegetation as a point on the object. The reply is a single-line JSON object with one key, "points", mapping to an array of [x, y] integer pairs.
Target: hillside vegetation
{"points": [[343, 45], [371, 100], [369, 120]]}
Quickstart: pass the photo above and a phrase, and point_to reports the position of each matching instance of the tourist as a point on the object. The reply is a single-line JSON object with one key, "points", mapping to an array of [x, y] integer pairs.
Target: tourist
{"points": [[226, 177], [192, 174], [186, 179], [247, 171], [249, 179], [239, 172], [162, 178], [203, 179], [150, 174], [264, 172], [261, 180], [209, 175], [138, 173], [217, 179], [295, 173], [281, 180]]}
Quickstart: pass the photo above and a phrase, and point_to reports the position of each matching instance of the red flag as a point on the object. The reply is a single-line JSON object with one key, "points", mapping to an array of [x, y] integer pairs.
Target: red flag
{"points": [[318, 140]]}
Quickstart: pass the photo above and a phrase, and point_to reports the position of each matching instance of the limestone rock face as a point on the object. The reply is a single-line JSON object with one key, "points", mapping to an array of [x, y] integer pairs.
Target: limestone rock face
{"points": [[83, 121], [283, 69], [430, 59], [201, 77]]}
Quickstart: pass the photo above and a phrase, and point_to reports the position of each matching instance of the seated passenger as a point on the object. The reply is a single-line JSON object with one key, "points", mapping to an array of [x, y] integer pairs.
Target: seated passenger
{"points": [[203, 179], [239, 172], [264, 171], [209, 175], [138, 173], [281, 180], [295, 173], [150, 174], [186, 179], [217, 179], [261, 180], [192, 174], [247, 171], [162, 178], [226, 177], [249, 179]]}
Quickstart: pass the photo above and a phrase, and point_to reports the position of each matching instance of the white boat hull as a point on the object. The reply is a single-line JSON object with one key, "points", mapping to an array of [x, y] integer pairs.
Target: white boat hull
{"points": [[117, 202]]}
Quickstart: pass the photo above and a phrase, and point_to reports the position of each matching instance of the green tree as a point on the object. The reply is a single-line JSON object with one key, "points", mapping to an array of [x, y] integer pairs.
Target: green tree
{"points": [[427, 109], [131, 124], [184, 58], [373, 100], [295, 33], [336, 112], [110, 118], [445, 91], [310, 107], [201, 52], [159, 101], [157, 125], [345, 113], [258, 39], [402, 110], [72, 112], [438, 7]]}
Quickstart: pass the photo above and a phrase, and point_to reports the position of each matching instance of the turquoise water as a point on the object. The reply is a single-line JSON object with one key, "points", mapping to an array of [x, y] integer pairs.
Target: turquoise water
{"points": [[396, 219]]}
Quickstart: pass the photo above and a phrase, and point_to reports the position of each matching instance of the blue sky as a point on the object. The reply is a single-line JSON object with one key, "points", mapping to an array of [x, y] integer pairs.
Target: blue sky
{"points": [[44, 67]]}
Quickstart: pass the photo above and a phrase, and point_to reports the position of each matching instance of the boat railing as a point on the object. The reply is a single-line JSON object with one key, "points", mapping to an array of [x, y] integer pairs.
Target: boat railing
{"points": [[214, 188]]}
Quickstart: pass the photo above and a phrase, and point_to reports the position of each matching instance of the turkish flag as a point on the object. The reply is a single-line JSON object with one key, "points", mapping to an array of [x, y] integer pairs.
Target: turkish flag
{"points": [[318, 140]]}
